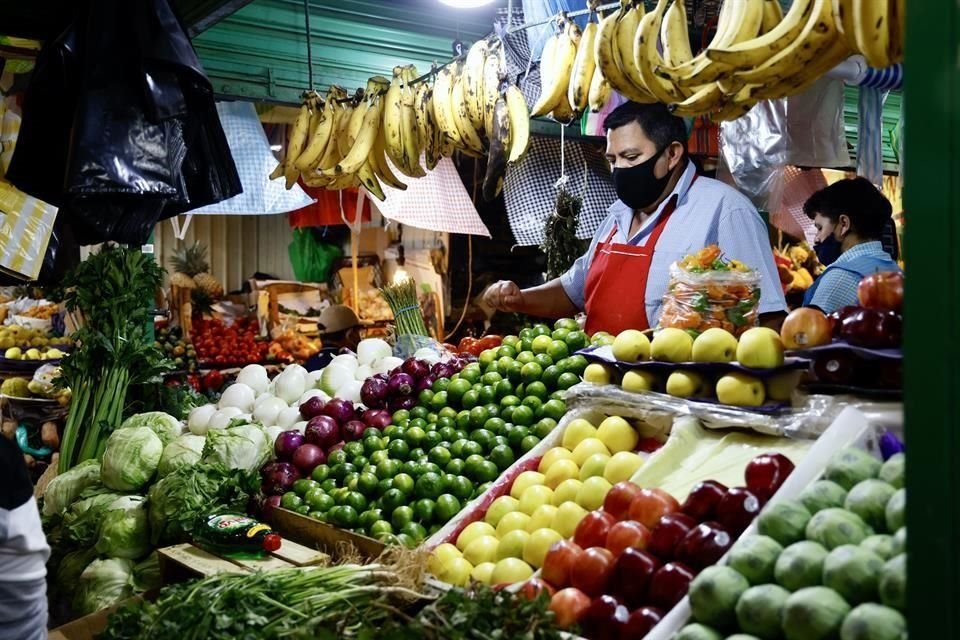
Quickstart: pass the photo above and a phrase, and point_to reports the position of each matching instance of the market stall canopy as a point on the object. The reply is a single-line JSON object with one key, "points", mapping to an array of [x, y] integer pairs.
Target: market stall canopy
{"points": [[251, 153], [437, 202], [529, 191]]}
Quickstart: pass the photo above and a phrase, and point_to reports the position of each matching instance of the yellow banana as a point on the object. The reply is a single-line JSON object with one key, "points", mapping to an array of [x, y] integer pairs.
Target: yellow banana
{"points": [[392, 107], [318, 139], [608, 67], [745, 21], [443, 105], [331, 153], [469, 139], [754, 52], [298, 136], [368, 179], [898, 12], [584, 68], [351, 128], [409, 135], [431, 134], [491, 85], [835, 52], [473, 82], [703, 101], [278, 171], [365, 138], [380, 165], [729, 12], [872, 31], [563, 112], [843, 16], [420, 103], [631, 16], [564, 55], [646, 56], [519, 123], [772, 15], [499, 149], [674, 35], [599, 92]]}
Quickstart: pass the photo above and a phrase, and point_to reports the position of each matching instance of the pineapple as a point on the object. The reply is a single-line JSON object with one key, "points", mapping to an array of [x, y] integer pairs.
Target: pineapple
{"points": [[190, 261]]}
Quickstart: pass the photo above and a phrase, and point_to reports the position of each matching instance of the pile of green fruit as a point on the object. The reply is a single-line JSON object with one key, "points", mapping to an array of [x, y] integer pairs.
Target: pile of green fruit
{"points": [[829, 565], [175, 346], [465, 431]]}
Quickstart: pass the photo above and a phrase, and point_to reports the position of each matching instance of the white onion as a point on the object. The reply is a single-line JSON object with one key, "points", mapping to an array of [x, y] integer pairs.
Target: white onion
{"points": [[238, 395], [199, 419], [311, 393], [222, 418], [363, 372], [387, 365], [347, 360], [263, 397], [290, 385], [313, 378], [288, 417], [350, 391], [371, 350], [300, 426], [273, 432], [268, 411], [254, 376], [334, 377]]}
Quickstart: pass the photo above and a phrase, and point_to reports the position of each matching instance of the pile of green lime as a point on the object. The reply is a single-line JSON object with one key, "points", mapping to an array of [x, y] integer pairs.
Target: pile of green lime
{"points": [[403, 483]]}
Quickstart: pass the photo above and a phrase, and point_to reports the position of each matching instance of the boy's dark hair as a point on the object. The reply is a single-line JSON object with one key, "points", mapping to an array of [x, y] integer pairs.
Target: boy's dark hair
{"points": [[868, 209], [661, 126]]}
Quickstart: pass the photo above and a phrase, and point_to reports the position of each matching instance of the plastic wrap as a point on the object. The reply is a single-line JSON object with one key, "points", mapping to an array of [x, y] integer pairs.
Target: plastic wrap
{"points": [[26, 234], [698, 301]]}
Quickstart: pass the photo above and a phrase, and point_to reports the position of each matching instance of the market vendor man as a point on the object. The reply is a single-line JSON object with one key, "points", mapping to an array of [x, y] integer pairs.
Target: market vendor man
{"points": [[664, 211]]}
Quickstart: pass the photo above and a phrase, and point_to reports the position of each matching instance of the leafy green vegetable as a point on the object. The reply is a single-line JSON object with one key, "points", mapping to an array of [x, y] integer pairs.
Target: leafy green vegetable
{"points": [[244, 447], [146, 574], [81, 522], [125, 532], [64, 489], [179, 499], [103, 583], [163, 424], [560, 243], [185, 451], [131, 458]]}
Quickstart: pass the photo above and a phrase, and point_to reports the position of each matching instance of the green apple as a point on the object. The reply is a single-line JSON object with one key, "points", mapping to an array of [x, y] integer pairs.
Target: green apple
{"points": [[535, 497], [740, 390], [542, 517], [509, 571], [715, 345], [617, 434], [524, 481], [569, 515], [592, 493], [473, 531], [482, 572], [539, 542], [631, 345], [566, 491], [483, 549], [511, 545], [781, 386], [621, 467], [577, 431], [501, 507], [594, 465], [686, 384], [760, 348], [561, 470], [587, 448], [671, 345], [639, 381]]}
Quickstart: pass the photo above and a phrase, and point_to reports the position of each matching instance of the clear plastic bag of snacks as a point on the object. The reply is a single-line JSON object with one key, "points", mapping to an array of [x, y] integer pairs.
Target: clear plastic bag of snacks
{"points": [[707, 291]]}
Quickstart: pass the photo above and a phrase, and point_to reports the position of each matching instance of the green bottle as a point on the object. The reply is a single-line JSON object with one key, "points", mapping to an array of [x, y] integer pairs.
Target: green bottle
{"points": [[236, 535]]}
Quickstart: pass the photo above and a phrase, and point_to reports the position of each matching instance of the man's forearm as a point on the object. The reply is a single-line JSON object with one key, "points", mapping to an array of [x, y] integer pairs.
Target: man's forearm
{"points": [[547, 300]]}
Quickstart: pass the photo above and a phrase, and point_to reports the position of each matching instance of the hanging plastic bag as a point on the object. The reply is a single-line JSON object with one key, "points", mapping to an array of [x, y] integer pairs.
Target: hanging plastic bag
{"points": [[311, 259], [25, 231]]}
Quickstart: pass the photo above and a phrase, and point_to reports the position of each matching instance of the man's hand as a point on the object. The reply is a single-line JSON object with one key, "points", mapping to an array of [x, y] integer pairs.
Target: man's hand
{"points": [[503, 296]]}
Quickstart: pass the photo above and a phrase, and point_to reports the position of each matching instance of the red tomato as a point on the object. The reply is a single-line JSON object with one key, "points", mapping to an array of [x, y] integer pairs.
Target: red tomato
{"points": [[489, 342], [650, 505], [466, 344]]}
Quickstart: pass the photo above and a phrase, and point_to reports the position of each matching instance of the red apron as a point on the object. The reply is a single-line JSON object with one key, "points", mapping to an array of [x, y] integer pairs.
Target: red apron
{"points": [[616, 286]]}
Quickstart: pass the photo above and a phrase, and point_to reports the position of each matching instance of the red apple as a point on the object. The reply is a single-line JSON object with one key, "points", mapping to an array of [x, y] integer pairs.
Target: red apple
{"points": [[627, 533], [837, 367], [704, 545], [632, 574], [650, 505], [592, 572], [569, 606], [766, 472], [882, 291], [670, 584], [618, 499], [672, 528], [640, 623], [560, 558], [806, 327], [737, 509], [701, 502], [872, 329], [534, 587], [593, 529], [605, 618]]}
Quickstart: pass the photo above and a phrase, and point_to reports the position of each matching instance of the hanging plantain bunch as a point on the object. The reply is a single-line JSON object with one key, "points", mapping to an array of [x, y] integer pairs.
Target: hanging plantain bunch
{"points": [[560, 243]]}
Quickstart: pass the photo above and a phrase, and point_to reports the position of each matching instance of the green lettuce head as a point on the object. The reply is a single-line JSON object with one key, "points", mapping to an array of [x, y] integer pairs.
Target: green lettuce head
{"points": [[67, 487], [102, 584], [185, 451], [131, 458], [81, 522], [124, 532], [245, 447], [163, 424]]}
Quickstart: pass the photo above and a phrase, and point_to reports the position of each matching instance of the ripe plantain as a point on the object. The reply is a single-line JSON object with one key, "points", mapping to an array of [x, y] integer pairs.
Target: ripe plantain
{"points": [[519, 123], [646, 56], [473, 82], [584, 67], [443, 105], [561, 66], [497, 154], [754, 52], [674, 35], [298, 136], [872, 31], [392, 126], [608, 66]]}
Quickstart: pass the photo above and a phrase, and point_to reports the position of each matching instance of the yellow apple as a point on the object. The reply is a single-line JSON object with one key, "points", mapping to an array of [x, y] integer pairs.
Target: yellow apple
{"points": [[594, 466], [760, 348], [577, 431], [622, 466], [538, 544], [569, 515], [535, 497], [686, 384], [781, 386], [441, 556], [566, 491], [597, 374], [617, 434], [456, 572], [501, 507], [542, 517], [740, 390], [592, 493], [551, 457], [511, 522], [483, 549], [473, 531], [13, 353], [639, 381], [671, 345], [561, 470], [482, 572], [631, 345], [525, 480], [715, 345], [511, 545], [509, 571], [587, 448]]}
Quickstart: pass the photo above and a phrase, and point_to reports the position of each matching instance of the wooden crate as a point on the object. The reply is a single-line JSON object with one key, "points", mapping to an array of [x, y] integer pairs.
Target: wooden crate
{"points": [[311, 532], [185, 561]]}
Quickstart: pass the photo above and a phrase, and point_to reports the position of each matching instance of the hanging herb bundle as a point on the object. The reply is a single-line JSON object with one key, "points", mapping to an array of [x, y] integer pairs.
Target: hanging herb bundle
{"points": [[560, 242], [111, 293], [405, 305]]}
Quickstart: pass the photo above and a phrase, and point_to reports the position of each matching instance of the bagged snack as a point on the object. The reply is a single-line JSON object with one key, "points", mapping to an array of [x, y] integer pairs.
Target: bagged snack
{"points": [[707, 291]]}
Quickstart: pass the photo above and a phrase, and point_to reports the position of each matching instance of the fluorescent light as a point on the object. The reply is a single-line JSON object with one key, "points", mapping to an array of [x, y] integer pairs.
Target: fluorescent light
{"points": [[276, 147], [466, 4]]}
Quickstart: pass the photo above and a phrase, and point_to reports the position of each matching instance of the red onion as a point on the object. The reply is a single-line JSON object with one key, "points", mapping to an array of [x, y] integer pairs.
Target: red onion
{"points": [[353, 430], [307, 457], [268, 505], [340, 410], [312, 407], [401, 402], [322, 431], [425, 383], [415, 368], [336, 447], [279, 477], [374, 392], [286, 443], [401, 384], [442, 370], [378, 418]]}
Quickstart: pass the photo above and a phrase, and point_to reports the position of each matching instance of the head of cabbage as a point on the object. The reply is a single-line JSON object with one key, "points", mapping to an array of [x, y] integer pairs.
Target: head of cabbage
{"points": [[245, 447], [124, 531], [185, 451], [131, 458], [102, 584], [81, 522], [163, 424], [64, 489]]}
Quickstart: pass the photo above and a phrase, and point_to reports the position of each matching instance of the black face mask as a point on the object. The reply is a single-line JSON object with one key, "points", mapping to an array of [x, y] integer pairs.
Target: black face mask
{"points": [[828, 250], [637, 186]]}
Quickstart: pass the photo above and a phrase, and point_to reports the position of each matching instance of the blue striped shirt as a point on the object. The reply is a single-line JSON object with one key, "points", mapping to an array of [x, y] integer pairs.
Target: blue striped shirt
{"points": [[837, 288], [708, 212]]}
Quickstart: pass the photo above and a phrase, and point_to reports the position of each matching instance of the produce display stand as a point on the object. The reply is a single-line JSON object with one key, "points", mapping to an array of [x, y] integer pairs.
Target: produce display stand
{"points": [[186, 561], [320, 535]]}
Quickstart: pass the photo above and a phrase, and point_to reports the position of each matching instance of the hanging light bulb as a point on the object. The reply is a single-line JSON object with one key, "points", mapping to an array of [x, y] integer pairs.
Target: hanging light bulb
{"points": [[400, 274], [466, 4]]}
